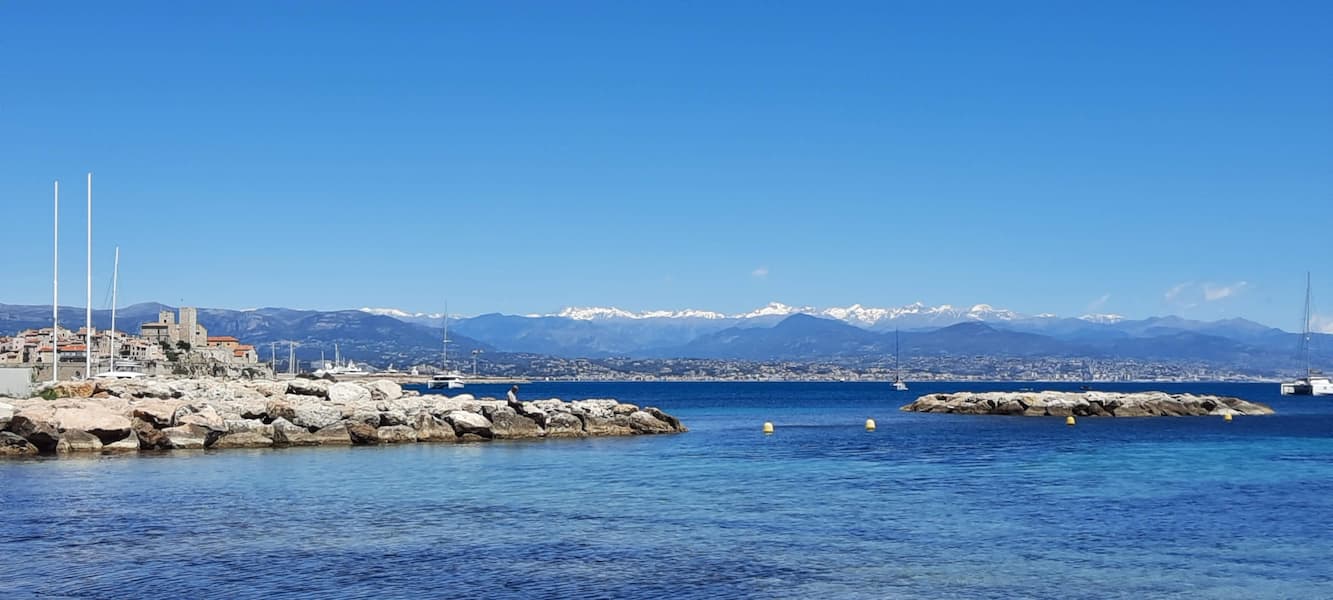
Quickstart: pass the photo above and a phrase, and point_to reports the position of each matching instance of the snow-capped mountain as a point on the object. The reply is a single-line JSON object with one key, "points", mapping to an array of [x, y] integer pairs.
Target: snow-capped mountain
{"points": [[432, 319], [912, 315]]}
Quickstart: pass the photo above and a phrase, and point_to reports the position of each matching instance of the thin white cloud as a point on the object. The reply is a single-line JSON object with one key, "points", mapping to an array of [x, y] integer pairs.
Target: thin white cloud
{"points": [[1097, 304], [1176, 290], [1321, 323], [1213, 292], [759, 273]]}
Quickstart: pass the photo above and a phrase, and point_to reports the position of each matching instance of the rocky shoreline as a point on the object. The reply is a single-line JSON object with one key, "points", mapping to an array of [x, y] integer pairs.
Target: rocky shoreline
{"points": [[1085, 404], [130, 416]]}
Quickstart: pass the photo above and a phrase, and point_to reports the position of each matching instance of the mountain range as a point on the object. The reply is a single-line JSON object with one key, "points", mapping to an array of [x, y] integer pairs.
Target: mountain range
{"points": [[776, 332]]}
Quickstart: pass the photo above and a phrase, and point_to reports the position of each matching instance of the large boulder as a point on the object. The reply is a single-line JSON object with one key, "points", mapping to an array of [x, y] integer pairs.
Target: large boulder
{"points": [[564, 425], [244, 439], [95, 419], [509, 425], [74, 440], [271, 389], [346, 392], [287, 434], [666, 418], [38, 427], [469, 423], [644, 422], [206, 417], [6, 413], [13, 444], [396, 434], [249, 426], [129, 444], [384, 390], [149, 437], [161, 413], [431, 429], [308, 387], [362, 434], [607, 426], [75, 389], [185, 437], [315, 415]]}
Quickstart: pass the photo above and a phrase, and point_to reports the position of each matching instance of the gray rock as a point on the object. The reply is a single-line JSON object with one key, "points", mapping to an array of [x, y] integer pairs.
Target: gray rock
{"points": [[643, 422], [469, 423], [95, 419], [160, 413], [249, 426], [36, 427], [74, 440], [13, 444], [6, 414], [431, 429], [396, 434], [346, 392], [509, 425], [315, 415], [308, 387], [129, 444], [185, 437], [564, 425], [244, 439], [149, 437], [607, 426], [206, 417], [1084, 404], [362, 434], [381, 390]]}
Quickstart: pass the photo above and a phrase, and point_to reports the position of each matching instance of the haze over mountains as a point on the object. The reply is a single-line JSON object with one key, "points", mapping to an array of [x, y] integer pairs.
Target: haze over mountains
{"points": [[776, 332]]}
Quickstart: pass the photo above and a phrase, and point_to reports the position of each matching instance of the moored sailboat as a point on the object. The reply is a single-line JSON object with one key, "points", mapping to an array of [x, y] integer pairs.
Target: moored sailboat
{"points": [[1314, 383]]}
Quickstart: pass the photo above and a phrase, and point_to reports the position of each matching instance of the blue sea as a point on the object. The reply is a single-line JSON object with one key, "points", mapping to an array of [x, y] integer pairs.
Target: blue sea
{"points": [[927, 506]]}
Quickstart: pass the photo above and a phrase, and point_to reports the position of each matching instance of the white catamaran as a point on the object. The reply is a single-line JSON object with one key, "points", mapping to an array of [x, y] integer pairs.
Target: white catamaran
{"points": [[1314, 383], [445, 379]]}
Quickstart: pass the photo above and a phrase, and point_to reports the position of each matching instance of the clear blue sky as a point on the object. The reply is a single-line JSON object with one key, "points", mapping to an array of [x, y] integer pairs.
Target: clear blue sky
{"points": [[520, 157]]}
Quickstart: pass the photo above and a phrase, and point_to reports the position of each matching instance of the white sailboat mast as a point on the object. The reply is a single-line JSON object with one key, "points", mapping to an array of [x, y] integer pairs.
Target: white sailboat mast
{"points": [[115, 288], [88, 314], [444, 357], [1305, 331], [55, 293]]}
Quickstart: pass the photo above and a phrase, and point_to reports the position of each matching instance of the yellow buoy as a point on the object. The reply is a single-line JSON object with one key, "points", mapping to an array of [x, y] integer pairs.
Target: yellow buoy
{"points": [[1227, 417], [1069, 420], [870, 424], [768, 427]]}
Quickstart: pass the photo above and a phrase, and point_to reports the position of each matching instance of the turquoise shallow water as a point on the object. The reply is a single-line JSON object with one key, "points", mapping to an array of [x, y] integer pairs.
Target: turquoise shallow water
{"points": [[929, 506]]}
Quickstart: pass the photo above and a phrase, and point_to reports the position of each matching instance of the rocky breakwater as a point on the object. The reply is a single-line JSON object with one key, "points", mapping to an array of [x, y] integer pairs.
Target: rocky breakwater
{"points": [[123, 416], [1085, 404]]}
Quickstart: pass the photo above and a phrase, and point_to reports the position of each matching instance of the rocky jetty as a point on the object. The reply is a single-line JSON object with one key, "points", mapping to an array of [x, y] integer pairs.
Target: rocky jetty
{"points": [[126, 416], [1085, 404]]}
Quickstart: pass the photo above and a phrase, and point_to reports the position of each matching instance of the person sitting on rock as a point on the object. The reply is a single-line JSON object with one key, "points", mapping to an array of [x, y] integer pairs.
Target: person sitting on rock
{"points": [[513, 398]]}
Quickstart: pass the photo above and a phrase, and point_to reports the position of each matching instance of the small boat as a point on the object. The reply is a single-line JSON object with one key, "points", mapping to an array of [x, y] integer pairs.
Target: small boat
{"points": [[898, 383], [445, 379], [104, 375], [1314, 383]]}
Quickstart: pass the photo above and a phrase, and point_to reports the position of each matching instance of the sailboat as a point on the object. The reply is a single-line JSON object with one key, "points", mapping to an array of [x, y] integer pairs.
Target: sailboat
{"points": [[1314, 383], [445, 379], [898, 383], [111, 372]]}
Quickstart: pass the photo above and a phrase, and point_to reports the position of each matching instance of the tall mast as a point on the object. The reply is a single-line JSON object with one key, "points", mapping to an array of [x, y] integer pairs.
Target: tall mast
{"points": [[88, 315], [115, 287], [1305, 332], [55, 294], [444, 357], [897, 360]]}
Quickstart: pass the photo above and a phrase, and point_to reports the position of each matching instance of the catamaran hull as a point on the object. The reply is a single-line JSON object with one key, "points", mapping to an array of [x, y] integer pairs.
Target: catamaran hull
{"points": [[1308, 388]]}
